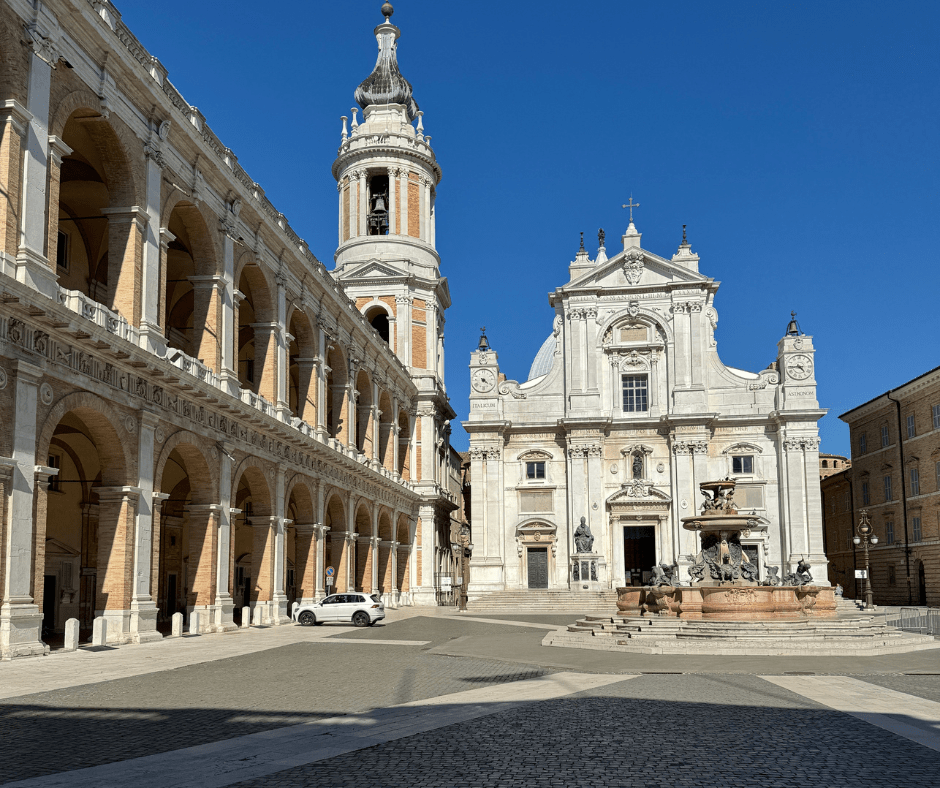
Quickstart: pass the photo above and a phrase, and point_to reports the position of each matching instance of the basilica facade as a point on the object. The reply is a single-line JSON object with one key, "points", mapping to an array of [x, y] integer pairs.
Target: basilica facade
{"points": [[582, 473], [195, 413]]}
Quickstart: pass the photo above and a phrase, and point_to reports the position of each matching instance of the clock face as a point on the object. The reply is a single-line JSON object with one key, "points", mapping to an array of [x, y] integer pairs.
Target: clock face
{"points": [[483, 380], [800, 366]]}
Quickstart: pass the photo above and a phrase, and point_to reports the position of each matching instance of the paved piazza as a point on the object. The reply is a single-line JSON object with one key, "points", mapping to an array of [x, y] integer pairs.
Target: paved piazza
{"points": [[448, 700]]}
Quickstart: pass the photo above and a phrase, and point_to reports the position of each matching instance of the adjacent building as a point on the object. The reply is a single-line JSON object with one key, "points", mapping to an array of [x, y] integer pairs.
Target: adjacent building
{"points": [[626, 410], [895, 476], [195, 414]]}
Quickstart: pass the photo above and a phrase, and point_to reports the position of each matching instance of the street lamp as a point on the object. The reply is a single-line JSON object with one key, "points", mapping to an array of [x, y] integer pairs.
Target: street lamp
{"points": [[865, 537]]}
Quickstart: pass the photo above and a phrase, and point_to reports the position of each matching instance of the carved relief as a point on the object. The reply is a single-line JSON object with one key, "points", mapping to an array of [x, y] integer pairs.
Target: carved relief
{"points": [[633, 267]]}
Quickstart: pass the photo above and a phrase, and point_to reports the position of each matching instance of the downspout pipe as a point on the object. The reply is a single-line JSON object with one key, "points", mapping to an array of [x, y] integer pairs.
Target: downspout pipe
{"points": [[907, 543]]}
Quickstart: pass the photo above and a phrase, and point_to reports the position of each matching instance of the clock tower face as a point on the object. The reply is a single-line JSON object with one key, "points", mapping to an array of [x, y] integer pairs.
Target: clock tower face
{"points": [[799, 366], [483, 380]]}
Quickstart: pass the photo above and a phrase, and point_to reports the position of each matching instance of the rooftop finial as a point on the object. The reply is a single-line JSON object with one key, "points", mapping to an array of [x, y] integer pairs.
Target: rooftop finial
{"points": [[387, 11], [484, 343], [631, 205], [601, 235], [685, 241], [582, 243], [793, 328]]}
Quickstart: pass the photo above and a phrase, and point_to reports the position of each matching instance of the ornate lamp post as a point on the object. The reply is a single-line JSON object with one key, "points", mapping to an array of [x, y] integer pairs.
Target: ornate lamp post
{"points": [[865, 537]]}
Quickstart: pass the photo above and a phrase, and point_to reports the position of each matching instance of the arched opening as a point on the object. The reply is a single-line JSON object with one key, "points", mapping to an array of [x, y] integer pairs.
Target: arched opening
{"points": [[364, 427], [386, 431], [253, 541], [363, 546], [378, 319], [335, 520], [336, 394], [184, 535], [404, 446], [302, 378], [256, 347], [191, 300], [89, 527], [92, 238], [301, 572]]}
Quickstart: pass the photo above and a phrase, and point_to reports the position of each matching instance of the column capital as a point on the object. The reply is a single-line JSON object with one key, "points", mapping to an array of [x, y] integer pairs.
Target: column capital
{"points": [[14, 113], [58, 149], [134, 213], [44, 474], [28, 373], [118, 494]]}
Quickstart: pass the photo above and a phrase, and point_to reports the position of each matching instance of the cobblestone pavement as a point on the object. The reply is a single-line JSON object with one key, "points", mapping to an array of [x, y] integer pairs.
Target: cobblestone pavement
{"points": [[116, 720], [707, 729], [653, 731]]}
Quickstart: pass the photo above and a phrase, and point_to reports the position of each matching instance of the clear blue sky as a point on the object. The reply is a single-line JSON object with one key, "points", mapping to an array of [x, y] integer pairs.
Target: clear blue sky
{"points": [[799, 142]]}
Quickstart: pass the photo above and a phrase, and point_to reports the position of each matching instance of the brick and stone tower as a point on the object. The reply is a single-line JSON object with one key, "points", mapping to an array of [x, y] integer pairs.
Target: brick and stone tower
{"points": [[387, 176]]}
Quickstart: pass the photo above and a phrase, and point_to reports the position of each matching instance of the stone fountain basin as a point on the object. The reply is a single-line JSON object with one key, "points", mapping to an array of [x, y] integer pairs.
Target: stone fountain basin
{"points": [[729, 602]]}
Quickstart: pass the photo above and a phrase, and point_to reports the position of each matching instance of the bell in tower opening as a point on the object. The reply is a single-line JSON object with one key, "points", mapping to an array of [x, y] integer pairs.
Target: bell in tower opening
{"points": [[378, 205]]}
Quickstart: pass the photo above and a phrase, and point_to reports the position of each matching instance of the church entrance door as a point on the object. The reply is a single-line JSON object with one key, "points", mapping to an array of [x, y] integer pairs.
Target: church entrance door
{"points": [[537, 558], [639, 553]]}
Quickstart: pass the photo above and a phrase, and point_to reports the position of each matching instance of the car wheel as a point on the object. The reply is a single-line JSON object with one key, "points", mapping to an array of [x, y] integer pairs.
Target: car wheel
{"points": [[307, 618], [361, 619]]}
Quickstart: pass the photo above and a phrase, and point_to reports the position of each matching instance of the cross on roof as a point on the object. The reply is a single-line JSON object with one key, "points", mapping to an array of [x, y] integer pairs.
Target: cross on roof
{"points": [[631, 205]]}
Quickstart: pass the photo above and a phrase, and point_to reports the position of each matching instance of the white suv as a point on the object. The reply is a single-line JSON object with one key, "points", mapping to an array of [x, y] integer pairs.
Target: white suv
{"points": [[363, 610]]}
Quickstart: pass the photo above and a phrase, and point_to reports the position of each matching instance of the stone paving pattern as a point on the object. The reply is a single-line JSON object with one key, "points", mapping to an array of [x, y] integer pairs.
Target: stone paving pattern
{"points": [[652, 731]]}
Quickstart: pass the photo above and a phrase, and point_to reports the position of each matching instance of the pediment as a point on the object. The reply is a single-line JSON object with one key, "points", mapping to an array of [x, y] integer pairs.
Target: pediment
{"points": [[55, 547], [639, 494], [373, 270], [635, 268]]}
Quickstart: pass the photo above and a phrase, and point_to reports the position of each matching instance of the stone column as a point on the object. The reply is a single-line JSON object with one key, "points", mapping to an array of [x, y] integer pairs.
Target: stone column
{"points": [[426, 548], [391, 200], [394, 591], [374, 550], [351, 403], [143, 621], [322, 393], [222, 617], [126, 227], [279, 595], [152, 336], [208, 296], [433, 240], [353, 205], [262, 563], [267, 336], [685, 498], [32, 265], [428, 447], [307, 390], [339, 191], [40, 510], [20, 616], [117, 516], [14, 119], [403, 322], [305, 562], [319, 535], [696, 359], [283, 342], [228, 371], [363, 204], [203, 560], [57, 151], [405, 200], [166, 238], [575, 344], [430, 328], [156, 509]]}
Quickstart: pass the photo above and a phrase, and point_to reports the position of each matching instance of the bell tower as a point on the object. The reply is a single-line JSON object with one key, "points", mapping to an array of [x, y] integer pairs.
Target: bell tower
{"points": [[387, 177]]}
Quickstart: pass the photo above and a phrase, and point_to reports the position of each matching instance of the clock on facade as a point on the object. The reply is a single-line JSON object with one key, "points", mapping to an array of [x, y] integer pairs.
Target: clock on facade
{"points": [[483, 380], [800, 366]]}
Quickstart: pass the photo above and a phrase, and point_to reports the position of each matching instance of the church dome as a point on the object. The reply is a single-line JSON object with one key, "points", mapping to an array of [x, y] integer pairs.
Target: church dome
{"points": [[386, 85], [543, 359]]}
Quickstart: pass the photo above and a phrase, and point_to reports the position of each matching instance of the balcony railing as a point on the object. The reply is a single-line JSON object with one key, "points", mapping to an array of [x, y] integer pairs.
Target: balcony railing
{"points": [[90, 309]]}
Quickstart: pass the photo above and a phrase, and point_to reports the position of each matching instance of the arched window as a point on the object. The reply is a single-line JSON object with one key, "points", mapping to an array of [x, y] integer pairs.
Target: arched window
{"points": [[380, 323]]}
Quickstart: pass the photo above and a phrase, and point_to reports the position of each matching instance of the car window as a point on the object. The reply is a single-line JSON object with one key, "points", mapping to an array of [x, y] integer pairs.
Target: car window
{"points": [[332, 600], [375, 598]]}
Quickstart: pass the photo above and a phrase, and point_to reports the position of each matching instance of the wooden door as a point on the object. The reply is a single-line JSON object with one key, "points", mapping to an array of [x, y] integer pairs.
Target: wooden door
{"points": [[538, 567]]}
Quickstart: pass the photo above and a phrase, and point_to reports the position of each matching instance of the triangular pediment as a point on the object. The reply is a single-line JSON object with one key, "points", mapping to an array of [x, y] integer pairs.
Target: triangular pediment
{"points": [[639, 493], [372, 269], [55, 547], [635, 268]]}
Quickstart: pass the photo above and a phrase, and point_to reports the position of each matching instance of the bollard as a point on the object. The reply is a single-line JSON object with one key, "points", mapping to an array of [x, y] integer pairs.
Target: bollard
{"points": [[177, 625], [71, 634], [257, 615], [194, 622], [99, 631], [246, 617]]}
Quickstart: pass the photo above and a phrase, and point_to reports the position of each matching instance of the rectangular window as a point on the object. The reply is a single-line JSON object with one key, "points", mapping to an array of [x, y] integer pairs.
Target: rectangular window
{"points": [[884, 435], [937, 472], [742, 464], [863, 443], [635, 394], [889, 532], [892, 575], [866, 496], [911, 431], [847, 503], [915, 481], [918, 531], [62, 251], [54, 462], [887, 481], [936, 417], [250, 370], [535, 470]]}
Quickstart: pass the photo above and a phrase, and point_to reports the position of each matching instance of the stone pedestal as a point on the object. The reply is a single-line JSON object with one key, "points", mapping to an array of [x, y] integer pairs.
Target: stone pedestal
{"points": [[587, 572]]}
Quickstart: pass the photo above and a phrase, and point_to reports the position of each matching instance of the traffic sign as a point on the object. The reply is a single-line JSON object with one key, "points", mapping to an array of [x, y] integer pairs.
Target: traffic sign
{"points": [[330, 571], [861, 574]]}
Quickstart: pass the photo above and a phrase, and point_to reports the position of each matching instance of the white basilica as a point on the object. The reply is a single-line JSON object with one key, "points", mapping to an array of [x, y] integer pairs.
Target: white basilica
{"points": [[627, 408]]}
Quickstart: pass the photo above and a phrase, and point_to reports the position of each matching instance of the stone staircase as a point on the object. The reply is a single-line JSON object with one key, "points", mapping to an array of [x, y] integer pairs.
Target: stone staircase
{"points": [[849, 635], [544, 601]]}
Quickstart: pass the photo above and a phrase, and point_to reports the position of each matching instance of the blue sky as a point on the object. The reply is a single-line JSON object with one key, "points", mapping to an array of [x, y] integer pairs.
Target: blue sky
{"points": [[798, 141]]}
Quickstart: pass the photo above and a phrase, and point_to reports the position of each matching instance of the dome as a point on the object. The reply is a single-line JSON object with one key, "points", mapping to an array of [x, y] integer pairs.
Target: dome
{"points": [[543, 359], [386, 85]]}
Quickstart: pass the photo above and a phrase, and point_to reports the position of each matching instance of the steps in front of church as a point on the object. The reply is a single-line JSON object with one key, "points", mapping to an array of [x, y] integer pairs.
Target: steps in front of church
{"points": [[543, 601]]}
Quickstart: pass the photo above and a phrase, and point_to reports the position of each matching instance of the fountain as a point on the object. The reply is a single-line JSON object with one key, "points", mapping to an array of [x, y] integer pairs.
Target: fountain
{"points": [[727, 608]]}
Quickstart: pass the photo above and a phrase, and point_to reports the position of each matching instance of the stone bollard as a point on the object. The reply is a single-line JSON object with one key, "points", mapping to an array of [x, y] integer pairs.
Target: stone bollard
{"points": [[246, 617], [99, 631], [177, 625], [257, 615], [194, 623], [71, 634]]}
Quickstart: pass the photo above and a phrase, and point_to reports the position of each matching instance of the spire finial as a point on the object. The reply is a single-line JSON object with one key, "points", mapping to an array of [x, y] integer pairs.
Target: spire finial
{"points": [[601, 235], [685, 241], [582, 242], [631, 205], [793, 328], [387, 11], [484, 343]]}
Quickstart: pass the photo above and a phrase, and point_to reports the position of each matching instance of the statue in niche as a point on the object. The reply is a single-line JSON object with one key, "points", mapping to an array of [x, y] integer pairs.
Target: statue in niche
{"points": [[583, 539], [637, 466]]}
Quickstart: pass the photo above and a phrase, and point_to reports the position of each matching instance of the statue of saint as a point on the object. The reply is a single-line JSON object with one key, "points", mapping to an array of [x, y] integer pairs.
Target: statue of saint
{"points": [[637, 466], [583, 540]]}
